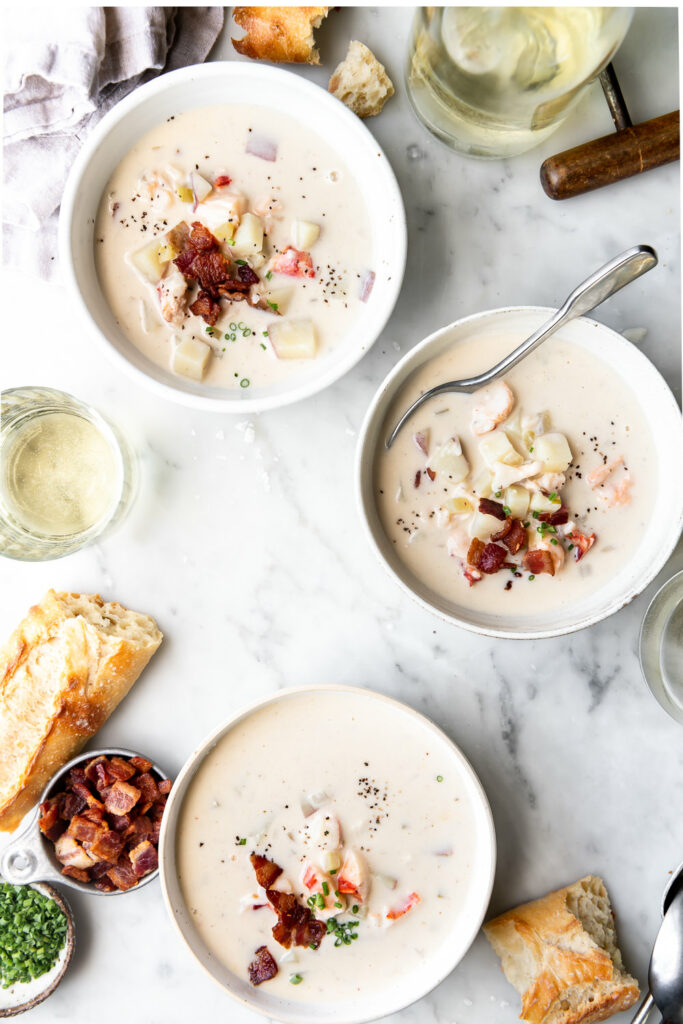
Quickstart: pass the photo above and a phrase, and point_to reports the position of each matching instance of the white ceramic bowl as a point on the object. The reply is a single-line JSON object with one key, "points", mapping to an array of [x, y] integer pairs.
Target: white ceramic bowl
{"points": [[362, 1008], [661, 412], [204, 85]]}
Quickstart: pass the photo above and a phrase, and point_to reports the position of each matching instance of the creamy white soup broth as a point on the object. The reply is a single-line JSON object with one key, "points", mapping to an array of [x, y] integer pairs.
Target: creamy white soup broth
{"points": [[597, 484], [370, 817], [287, 218]]}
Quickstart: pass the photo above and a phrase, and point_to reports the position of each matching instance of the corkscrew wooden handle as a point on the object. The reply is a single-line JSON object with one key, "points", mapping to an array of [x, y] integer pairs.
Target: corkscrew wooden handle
{"points": [[627, 152]]}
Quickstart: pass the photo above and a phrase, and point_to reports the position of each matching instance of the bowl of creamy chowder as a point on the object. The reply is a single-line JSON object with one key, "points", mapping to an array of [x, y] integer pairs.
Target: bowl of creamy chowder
{"points": [[327, 855], [234, 236], [538, 505]]}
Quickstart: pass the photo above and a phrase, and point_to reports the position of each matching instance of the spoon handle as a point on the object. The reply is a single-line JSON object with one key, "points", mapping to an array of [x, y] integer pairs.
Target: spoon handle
{"points": [[603, 283], [643, 1010], [610, 278]]}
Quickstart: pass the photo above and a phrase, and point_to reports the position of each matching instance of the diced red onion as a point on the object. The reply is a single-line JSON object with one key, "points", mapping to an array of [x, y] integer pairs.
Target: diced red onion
{"points": [[366, 284], [422, 443], [264, 148]]}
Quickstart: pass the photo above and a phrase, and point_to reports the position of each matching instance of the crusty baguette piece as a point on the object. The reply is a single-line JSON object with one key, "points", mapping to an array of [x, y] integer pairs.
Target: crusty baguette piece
{"points": [[561, 954], [62, 673], [282, 34], [361, 82]]}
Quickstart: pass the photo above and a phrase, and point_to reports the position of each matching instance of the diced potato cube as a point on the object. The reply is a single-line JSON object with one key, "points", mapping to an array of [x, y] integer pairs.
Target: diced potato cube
{"points": [[249, 235], [481, 485], [304, 234], [553, 451], [185, 194], [496, 447], [459, 504], [146, 261], [450, 461], [540, 503], [482, 526], [331, 861], [190, 358], [293, 339], [224, 232], [278, 297], [201, 186], [517, 500], [167, 252]]}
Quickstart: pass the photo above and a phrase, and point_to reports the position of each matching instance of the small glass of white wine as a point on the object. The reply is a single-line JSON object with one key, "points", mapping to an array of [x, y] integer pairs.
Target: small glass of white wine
{"points": [[67, 476], [661, 646]]}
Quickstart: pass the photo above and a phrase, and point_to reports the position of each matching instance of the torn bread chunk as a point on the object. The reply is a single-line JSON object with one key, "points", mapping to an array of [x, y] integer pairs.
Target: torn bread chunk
{"points": [[560, 952], [361, 82], [280, 34]]}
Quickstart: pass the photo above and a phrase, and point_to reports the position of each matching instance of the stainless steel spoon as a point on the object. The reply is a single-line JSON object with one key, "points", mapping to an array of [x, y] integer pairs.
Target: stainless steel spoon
{"points": [[665, 976], [595, 289]]}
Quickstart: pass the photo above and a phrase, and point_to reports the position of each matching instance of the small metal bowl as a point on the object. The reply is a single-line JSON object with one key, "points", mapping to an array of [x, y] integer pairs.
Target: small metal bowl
{"points": [[31, 857], [53, 977]]}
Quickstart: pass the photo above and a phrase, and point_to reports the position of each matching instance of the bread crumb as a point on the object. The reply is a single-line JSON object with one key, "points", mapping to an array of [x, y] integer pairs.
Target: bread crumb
{"points": [[361, 82]]}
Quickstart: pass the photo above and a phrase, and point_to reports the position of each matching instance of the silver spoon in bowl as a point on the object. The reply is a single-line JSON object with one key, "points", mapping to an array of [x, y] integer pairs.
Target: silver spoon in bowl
{"points": [[665, 976], [614, 275]]}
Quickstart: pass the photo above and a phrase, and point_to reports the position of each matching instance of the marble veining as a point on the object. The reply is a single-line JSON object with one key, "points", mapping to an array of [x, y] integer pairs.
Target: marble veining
{"points": [[245, 544]]}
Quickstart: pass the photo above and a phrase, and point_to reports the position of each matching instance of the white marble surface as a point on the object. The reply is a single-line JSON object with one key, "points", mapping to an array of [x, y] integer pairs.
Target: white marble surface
{"points": [[251, 557]]}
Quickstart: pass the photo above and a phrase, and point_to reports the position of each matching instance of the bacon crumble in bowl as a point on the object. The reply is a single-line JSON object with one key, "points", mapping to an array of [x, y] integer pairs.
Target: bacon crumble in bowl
{"points": [[234, 236], [96, 827], [533, 507]]}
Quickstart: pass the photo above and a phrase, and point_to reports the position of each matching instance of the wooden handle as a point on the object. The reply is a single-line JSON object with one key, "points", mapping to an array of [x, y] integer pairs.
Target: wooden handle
{"points": [[621, 155]]}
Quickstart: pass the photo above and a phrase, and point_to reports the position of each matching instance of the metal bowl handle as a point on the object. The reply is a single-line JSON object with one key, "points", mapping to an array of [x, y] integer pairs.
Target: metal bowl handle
{"points": [[25, 860]]}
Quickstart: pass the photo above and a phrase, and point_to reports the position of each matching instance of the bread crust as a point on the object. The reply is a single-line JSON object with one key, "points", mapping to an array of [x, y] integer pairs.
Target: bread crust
{"points": [[280, 34], [62, 672], [571, 979]]}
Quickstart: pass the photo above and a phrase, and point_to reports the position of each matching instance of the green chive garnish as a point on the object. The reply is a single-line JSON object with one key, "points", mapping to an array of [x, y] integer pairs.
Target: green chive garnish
{"points": [[245, 382], [326, 889], [439, 778], [296, 979], [241, 263], [531, 576], [269, 275]]}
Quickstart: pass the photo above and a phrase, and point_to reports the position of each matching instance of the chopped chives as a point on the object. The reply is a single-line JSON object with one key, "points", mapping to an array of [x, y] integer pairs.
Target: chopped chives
{"points": [[326, 889], [439, 778], [296, 979]]}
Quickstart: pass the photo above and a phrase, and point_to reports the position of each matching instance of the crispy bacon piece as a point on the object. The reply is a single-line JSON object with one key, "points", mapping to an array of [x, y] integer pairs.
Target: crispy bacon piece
{"points": [[148, 790], [84, 830], [430, 473], [206, 307], [418, 477], [247, 275], [105, 885], [100, 869], [121, 798], [91, 769], [164, 786], [122, 874], [120, 822], [504, 530], [492, 558], [122, 769], [222, 181], [294, 263], [73, 804], [516, 538], [95, 814], [144, 858], [76, 775], [262, 967], [107, 846], [582, 543], [81, 789], [51, 822], [487, 507], [558, 518], [538, 561], [140, 828], [141, 764], [474, 552], [266, 870], [80, 873], [296, 924]]}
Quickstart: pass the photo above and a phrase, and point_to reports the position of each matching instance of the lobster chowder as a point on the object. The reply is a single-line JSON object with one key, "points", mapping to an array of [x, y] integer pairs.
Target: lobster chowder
{"points": [[233, 246], [329, 844], [526, 495]]}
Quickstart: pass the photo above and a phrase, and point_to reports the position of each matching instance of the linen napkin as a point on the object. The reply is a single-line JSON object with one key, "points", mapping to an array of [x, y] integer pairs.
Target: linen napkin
{"points": [[64, 68]]}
